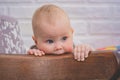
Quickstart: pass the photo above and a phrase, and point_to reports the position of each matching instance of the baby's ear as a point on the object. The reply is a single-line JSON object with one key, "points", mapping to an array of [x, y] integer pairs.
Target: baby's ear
{"points": [[34, 39]]}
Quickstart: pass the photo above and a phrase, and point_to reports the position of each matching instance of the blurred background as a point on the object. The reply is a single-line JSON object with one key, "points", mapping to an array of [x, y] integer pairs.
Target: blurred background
{"points": [[96, 22]]}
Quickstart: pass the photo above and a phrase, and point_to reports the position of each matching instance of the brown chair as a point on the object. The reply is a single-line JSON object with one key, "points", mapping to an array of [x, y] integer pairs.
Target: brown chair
{"points": [[10, 36], [100, 65]]}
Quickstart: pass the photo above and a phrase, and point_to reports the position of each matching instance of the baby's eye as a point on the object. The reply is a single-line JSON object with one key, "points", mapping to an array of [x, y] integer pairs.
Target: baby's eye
{"points": [[50, 41], [64, 38]]}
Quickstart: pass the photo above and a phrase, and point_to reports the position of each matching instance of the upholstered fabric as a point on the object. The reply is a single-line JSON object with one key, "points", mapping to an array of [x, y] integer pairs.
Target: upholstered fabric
{"points": [[10, 36]]}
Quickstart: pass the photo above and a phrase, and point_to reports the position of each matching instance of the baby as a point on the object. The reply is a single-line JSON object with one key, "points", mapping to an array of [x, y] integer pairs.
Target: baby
{"points": [[53, 34]]}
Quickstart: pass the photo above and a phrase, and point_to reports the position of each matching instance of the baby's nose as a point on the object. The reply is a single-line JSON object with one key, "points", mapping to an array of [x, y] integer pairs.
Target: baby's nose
{"points": [[58, 46]]}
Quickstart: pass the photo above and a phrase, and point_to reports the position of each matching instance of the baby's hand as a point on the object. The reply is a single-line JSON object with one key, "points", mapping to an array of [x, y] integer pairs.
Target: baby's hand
{"points": [[81, 52], [35, 52]]}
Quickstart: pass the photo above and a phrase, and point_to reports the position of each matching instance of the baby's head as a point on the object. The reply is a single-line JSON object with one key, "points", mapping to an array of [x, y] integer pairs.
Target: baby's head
{"points": [[52, 31]]}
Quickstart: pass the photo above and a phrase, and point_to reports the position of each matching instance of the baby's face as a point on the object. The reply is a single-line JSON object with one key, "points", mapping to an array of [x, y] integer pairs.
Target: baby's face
{"points": [[55, 39]]}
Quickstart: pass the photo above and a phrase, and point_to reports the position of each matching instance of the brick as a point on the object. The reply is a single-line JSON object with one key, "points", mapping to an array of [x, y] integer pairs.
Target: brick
{"points": [[63, 1], [80, 27], [28, 41], [105, 27], [105, 1], [81, 1], [79, 12], [92, 12], [82, 12], [98, 41], [14, 1], [22, 11], [115, 11], [111, 41], [3, 10], [26, 28]]}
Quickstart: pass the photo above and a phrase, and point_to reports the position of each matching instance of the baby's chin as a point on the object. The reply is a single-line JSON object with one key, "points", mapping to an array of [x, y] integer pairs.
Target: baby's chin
{"points": [[59, 52]]}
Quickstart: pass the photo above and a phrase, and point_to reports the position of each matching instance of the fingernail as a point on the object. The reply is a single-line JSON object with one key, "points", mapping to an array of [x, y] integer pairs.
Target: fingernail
{"points": [[86, 56], [78, 59], [82, 59], [75, 58], [36, 54]]}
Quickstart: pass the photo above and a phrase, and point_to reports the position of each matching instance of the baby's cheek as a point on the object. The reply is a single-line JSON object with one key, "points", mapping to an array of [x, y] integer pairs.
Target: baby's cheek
{"points": [[70, 49]]}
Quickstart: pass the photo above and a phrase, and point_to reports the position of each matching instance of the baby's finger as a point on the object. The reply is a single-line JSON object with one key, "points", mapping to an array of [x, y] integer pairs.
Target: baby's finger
{"points": [[82, 58], [78, 53], [35, 52], [30, 52], [87, 51], [82, 53], [75, 53], [41, 53]]}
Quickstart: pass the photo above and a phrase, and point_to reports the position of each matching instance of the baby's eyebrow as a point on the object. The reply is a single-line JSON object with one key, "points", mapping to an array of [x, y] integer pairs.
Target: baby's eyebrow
{"points": [[49, 38], [54, 36]]}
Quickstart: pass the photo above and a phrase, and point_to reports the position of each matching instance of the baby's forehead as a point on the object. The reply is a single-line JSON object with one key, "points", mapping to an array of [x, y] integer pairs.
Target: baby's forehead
{"points": [[55, 29], [55, 32], [54, 24], [53, 17]]}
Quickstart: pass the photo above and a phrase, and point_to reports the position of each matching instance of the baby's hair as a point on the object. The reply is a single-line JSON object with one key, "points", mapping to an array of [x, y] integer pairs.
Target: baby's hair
{"points": [[48, 11]]}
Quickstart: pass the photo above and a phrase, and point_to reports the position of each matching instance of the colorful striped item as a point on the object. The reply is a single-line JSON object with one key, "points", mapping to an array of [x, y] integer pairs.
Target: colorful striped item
{"points": [[110, 48]]}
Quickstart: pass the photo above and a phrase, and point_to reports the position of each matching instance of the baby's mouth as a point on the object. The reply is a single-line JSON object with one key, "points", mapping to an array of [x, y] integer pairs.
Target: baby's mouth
{"points": [[59, 52]]}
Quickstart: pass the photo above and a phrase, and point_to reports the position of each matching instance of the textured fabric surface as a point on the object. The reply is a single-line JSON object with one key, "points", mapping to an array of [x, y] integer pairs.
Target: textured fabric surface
{"points": [[10, 36]]}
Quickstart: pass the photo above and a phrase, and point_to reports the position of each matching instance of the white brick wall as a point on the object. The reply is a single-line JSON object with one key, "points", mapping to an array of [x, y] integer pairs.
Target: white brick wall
{"points": [[96, 22]]}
